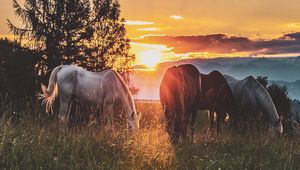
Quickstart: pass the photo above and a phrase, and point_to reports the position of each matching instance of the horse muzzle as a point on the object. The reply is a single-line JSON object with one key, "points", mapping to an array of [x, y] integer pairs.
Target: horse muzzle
{"points": [[63, 120]]}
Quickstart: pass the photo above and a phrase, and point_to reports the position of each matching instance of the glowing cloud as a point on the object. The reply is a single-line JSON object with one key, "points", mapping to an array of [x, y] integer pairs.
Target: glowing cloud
{"points": [[293, 25], [176, 17], [150, 54], [150, 58], [130, 22], [148, 29], [228, 44]]}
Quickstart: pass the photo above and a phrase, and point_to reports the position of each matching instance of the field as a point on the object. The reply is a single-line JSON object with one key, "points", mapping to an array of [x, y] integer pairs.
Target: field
{"points": [[32, 139]]}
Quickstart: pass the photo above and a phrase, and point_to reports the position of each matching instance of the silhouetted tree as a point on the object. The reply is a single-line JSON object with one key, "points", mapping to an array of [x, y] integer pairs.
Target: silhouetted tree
{"points": [[283, 105], [17, 71], [89, 33], [56, 27], [108, 47], [281, 100], [296, 109], [279, 96], [262, 80]]}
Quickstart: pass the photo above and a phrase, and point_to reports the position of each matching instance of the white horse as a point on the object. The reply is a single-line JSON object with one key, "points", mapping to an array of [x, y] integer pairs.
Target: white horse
{"points": [[251, 97], [105, 88]]}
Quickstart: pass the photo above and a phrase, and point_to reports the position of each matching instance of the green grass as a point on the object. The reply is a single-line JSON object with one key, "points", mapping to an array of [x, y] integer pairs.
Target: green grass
{"points": [[33, 140]]}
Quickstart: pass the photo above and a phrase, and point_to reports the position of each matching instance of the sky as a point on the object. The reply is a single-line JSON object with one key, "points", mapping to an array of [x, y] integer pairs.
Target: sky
{"points": [[175, 29]]}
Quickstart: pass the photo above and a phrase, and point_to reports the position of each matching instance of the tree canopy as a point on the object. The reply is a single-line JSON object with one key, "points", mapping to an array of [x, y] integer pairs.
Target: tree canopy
{"points": [[89, 33]]}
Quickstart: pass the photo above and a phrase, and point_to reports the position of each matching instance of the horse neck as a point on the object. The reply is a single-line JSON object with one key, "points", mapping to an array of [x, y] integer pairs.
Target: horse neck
{"points": [[127, 98], [129, 103], [267, 105]]}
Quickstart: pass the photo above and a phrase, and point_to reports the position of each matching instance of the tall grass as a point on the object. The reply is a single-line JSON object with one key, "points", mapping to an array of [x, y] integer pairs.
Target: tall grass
{"points": [[32, 139]]}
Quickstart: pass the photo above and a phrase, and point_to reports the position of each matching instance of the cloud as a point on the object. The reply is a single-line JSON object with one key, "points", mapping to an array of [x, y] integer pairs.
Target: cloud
{"points": [[293, 25], [225, 44], [130, 22], [148, 29], [176, 17], [295, 36]]}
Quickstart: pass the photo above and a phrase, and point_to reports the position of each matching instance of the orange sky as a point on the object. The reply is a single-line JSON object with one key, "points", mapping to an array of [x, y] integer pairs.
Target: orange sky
{"points": [[267, 18], [254, 19]]}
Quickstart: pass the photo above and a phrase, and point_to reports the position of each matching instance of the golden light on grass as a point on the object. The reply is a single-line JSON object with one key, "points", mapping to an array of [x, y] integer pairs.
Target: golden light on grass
{"points": [[151, 142], [153, 145]]}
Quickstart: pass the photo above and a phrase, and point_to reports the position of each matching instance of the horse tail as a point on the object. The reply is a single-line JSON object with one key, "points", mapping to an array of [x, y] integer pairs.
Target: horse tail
{"points": [[49, 94]]}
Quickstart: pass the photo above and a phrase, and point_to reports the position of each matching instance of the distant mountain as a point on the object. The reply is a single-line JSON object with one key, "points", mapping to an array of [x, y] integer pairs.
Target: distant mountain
{"points": [[281, 70], [285, 69]]}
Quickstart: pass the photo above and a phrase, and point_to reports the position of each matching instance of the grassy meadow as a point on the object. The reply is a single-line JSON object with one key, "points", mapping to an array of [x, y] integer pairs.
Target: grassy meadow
{"points": [[32, 139]]}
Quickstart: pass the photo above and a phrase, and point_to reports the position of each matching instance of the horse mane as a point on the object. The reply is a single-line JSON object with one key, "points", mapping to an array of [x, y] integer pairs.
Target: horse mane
{"points": [[124, 85], [216, 72], [171, 80], [264, 99], [224, 91]]}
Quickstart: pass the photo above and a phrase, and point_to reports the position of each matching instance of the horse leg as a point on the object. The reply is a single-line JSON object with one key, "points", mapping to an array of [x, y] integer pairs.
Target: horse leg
{"points": [[64, 110], [97, 115], [184, 131], [219, 117], [172, 129], [194, 115], [110, 117], [233, 123], [174, 137], [211, 121]]}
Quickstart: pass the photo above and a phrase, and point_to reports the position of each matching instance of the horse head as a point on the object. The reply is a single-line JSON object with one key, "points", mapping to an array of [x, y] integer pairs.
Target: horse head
{"points": [[134, 121], [277, 127], [296, 127], [63, 119]]}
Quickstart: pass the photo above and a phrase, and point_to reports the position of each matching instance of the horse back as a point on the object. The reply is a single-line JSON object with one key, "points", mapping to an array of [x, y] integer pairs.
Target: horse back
{"points": [[191, 85], [211, 85], [171, 90]]}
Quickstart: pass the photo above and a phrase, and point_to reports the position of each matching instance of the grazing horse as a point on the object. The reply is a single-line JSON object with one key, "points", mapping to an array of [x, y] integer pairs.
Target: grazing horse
{"points": [[251, 97], [105, 88], [179, 96], [183, 90], [216, 97]]}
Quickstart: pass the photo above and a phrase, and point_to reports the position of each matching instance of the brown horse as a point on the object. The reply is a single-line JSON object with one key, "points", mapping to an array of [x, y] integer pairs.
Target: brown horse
{"points": [[179, 96], [216, 97], [183, 90]]}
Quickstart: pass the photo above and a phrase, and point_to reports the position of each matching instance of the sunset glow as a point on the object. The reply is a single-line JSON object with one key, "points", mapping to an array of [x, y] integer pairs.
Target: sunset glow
{"points": [[149, 58], [170, 30]]}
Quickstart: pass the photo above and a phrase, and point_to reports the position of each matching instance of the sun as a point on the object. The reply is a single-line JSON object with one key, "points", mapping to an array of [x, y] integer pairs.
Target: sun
{"points": [[149, 58]]}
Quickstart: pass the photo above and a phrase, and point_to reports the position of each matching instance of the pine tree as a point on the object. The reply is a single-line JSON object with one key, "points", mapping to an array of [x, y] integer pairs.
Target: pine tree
{"points": [[56, 27], [109, 47], [88, 33]]}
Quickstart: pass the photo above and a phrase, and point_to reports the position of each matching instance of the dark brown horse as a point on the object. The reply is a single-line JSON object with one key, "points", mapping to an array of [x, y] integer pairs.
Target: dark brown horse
{"points": [[179, 95], [216, 97], [184, 90]]}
